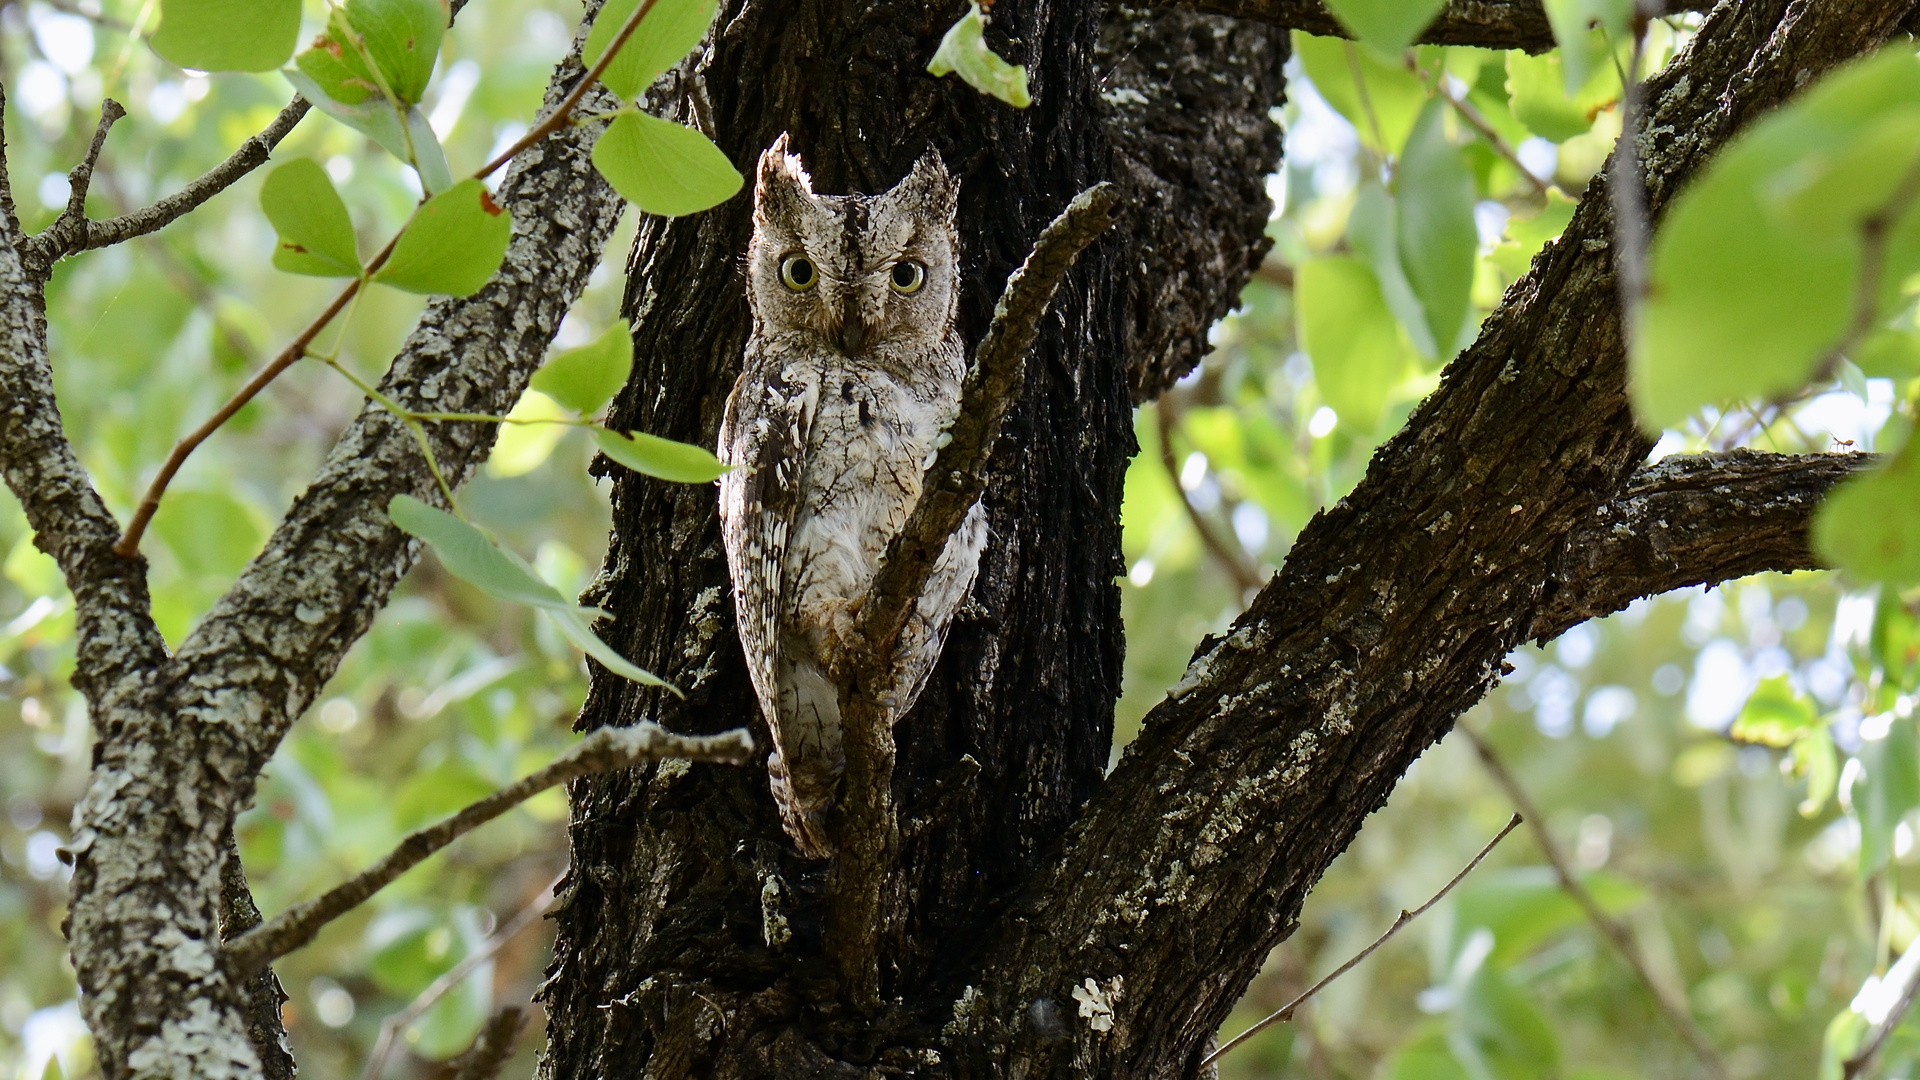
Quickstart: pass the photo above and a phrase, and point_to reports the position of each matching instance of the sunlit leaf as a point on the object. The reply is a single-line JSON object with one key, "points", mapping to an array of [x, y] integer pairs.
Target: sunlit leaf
{"points": [[1387, 25], [1775, 714], [964, 52], [662, 167], [316, 235], [1891, 353], [521, 448], [1581, 25], [228, 35], [1438, 239], [403, 39], [1350, 336], [667, 33], [452, 245], [1870, 525], [1816, 758], [1384, 101], [680, 462], [1755, 269], [1536, 86], [586, 378]]}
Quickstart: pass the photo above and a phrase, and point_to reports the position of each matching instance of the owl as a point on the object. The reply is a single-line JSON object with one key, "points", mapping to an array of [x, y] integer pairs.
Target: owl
{"points": [[852, 373]]}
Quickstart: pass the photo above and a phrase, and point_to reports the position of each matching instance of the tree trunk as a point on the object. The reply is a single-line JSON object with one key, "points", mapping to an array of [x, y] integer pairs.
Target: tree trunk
{"points": [[1048, 920]]}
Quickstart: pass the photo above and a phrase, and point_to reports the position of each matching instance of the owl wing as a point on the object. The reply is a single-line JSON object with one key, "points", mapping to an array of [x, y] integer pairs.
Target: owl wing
{"points": [[764, 435]]}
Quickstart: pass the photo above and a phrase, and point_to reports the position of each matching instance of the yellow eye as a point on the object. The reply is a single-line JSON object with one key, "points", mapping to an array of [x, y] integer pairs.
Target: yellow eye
{"points": [[907, 277], [797, 273]]}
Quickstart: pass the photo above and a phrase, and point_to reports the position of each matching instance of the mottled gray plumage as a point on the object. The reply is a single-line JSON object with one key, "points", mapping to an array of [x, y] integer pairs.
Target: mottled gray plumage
{"points": [[853, 371]]}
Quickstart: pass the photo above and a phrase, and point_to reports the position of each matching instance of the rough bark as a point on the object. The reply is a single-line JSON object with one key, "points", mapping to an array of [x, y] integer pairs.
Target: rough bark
{"points": [[182, 740], [690, 937], [1389, 619]]}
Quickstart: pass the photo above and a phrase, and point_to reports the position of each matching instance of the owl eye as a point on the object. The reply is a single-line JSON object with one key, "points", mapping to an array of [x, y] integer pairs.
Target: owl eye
{"points": [[907, 277], [797, 273]]}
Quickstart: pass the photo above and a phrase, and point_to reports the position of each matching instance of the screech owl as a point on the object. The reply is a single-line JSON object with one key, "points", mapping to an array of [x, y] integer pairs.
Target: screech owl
{"points": [[853, 371]]}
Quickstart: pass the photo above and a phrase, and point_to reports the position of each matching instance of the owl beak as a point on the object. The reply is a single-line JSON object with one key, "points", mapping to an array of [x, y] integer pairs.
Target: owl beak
{"points": [[853, 329]]}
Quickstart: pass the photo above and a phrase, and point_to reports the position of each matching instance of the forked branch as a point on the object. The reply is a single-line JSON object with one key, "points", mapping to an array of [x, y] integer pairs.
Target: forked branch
{"points": [[607, 748]]}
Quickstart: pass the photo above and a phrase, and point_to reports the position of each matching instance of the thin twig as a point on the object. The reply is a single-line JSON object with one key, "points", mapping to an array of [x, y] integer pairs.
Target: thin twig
{"points": [[1286, 1011], [1628, 191], [1858, 1063], [562, 111], [71, 226], [607, 748], [454, 976], [48, 248], [1231, 557], [1479, 122], [1610, 928], [492, 1047]]}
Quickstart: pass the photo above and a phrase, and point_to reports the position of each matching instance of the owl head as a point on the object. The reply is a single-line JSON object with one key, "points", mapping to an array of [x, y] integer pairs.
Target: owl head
{"points": [[869, 276]]}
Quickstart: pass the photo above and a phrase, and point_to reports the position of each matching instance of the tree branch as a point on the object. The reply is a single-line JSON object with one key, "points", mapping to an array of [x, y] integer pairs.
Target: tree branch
{"points": [[1617, 935], [186, 740], [57, 243], [1691, 520], [1486, 24], [264, 995], [607, 748], [1390, 618], [492, 1047], [69, 521], [71, 225]]}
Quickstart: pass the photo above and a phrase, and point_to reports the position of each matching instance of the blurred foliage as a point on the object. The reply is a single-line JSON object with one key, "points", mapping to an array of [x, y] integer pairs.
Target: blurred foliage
{"points": [[1732, 771]]}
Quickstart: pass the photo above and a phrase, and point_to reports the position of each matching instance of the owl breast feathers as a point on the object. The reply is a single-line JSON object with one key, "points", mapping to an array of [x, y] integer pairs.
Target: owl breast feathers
{"points": [[853, 370]]}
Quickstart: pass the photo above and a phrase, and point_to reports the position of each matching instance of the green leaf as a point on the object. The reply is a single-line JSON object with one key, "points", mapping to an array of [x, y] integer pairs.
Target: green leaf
{"points": [[1888, 789], [1754, 271], [1524, 906], [316, 235], [227, 35], [682, 463], [472, 556], [667, 33], [452, 245], [1350, 336], [1816, 758], [576, 625], [586, 378], [1373, 228], [1775, 715], [406, 136], [1891, 353], [1574, 24], [1870, 526], [1384, 101], [1438, 239], [1537, 89], [1425, 1058], [337, 66], [1387, 25], [403, 39], [964, 52], [664, 168], [1895, 642], [211, 533]]}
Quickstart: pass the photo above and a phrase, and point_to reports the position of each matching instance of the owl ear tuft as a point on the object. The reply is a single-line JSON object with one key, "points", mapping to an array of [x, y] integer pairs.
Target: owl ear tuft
{"points": [[930, 184], [780, 176]]}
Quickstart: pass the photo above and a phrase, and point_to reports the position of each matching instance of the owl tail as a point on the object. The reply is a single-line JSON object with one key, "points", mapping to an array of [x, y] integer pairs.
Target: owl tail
{"points": [[804, 768]]}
